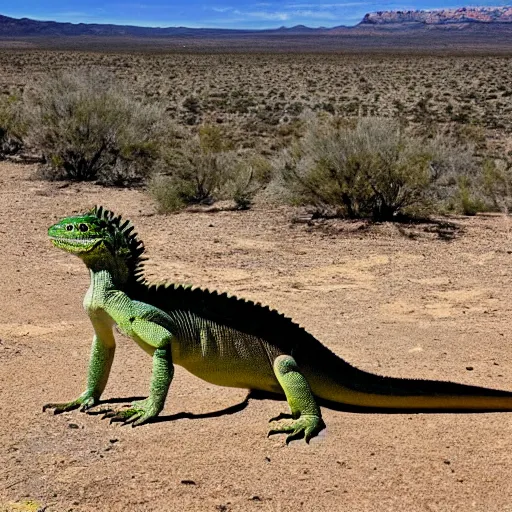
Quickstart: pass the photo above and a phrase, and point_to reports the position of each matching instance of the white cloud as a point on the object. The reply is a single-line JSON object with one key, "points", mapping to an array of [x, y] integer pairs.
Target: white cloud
{"points": [[288, 15], [265, 15], [324, 15]]}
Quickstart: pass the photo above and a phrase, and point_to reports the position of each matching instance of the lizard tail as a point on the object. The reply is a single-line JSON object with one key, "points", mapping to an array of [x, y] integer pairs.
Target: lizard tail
{"points": [[342, 383]]}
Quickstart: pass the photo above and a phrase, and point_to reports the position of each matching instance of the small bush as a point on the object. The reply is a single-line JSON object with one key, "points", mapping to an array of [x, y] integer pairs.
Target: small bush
{"points": [[497, 183], [12, 127], [249, 175], [193, 173], [372, 170], [168, 197], [206, 169], [469, 204], [88, 128]]}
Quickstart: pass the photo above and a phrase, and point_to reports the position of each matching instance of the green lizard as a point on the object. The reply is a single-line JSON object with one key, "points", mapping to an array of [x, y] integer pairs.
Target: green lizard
{"points": [[224, 340]]}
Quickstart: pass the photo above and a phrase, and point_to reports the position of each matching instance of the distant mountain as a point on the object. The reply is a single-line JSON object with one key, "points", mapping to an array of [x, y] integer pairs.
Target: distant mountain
{"points": [[26, 27], [441, 16], [13, 27], [499, 17]]}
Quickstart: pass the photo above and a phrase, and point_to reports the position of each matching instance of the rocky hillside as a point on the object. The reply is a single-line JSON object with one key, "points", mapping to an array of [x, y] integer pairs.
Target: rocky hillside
{"points": [[441, 16]]}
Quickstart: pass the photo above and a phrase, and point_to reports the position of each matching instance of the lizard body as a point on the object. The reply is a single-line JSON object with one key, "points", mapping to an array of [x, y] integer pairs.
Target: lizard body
{"points": [[225, 340]]}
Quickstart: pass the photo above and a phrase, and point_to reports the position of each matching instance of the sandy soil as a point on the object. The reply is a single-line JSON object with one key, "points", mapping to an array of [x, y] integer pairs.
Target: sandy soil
{"points": [[429, 301]]}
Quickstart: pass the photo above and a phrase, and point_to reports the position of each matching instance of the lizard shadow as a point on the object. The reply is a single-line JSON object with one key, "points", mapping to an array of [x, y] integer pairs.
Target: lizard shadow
{"points": [[261, 395], [232, 409]]}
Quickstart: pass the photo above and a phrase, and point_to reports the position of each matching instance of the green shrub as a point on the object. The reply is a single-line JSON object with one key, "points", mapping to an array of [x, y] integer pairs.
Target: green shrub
{"points": [[469, 204], [168, 197], [12, 127], [205, 169], [193, 173], [89, 128], [248, 175], [372, 170], [497, 183]]}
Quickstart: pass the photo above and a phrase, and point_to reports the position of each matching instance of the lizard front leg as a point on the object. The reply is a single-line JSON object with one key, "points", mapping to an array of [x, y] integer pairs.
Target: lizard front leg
{"points": [[305, 419], [100, 362], [157, 339]]}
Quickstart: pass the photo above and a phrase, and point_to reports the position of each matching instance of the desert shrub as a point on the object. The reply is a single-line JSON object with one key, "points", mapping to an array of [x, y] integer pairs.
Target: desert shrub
{"points": [[466, 201], [12, 126], [248, 175], [213, 139], [89, 128], [372, 170], [194, 173], [457, 184], [497, 183], [167, 196], [205, 169], [192, 110]]}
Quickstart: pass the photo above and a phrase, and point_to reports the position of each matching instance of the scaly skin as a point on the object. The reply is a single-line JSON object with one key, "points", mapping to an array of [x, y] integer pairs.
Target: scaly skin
{"points": [[225, 341]]}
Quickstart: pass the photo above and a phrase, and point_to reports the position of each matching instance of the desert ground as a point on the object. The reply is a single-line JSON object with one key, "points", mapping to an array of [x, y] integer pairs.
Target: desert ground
{"points": [[420, 300]]}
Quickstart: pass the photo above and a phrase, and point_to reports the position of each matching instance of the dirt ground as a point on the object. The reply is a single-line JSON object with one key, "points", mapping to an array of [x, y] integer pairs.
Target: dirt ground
{"points": [[426, 301]]}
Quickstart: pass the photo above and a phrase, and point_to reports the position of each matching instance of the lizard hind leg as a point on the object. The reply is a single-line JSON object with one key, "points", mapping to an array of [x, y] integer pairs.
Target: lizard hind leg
{"points": [[305, 419]]}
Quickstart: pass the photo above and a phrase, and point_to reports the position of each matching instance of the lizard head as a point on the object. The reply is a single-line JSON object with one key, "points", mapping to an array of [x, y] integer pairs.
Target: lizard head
{"points": [[81, 234], [101, 240]]}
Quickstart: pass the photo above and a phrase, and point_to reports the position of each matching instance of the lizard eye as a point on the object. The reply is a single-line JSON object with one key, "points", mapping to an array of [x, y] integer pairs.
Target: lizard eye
{"points": [[69, 227], [83, 228]]}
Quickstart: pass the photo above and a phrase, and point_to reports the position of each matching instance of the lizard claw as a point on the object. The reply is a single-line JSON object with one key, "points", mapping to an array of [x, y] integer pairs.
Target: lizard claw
{"points": [[83, 402], [306, 426], [60, 408], [87, 404], [125, 416], [139, 413], [63, 407]]}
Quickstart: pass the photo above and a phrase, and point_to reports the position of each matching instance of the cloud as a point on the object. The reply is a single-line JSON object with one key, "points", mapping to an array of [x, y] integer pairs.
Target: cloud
{"points": [[266, 15], [306, 12], [323, 15], [288, 15]]}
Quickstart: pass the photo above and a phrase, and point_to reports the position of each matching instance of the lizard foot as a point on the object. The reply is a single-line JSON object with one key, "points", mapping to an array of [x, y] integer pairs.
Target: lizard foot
{"points": [[307, 426], [83, 403], [138, 413]]}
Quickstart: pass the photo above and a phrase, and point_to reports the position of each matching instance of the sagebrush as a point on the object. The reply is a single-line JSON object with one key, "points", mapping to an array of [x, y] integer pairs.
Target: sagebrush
{"points": [[373, 169], [88, 127]]}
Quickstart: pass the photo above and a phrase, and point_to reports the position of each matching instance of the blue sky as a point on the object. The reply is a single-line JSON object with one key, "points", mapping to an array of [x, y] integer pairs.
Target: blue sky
{"points": [[218, 13]]}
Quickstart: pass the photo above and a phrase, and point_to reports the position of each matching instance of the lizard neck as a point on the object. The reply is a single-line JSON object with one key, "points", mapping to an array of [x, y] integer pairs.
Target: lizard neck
{"points": [[107, 270], [102, 280], [102, 283]]}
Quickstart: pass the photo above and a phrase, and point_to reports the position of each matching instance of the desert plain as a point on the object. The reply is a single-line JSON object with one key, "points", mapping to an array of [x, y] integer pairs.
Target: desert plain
{"points": [[420, 300]]}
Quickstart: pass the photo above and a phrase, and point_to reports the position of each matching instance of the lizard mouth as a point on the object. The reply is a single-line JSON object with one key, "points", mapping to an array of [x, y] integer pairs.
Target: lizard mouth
{"points": [[81, 244]]}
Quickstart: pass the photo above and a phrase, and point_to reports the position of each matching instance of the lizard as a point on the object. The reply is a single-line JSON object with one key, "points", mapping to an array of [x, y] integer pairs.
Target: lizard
{"points": [[226, 341]]}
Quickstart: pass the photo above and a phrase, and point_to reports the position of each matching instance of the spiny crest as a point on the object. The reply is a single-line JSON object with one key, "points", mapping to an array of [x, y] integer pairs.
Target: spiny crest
{"points": [[134, 259], [242, 314]]}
